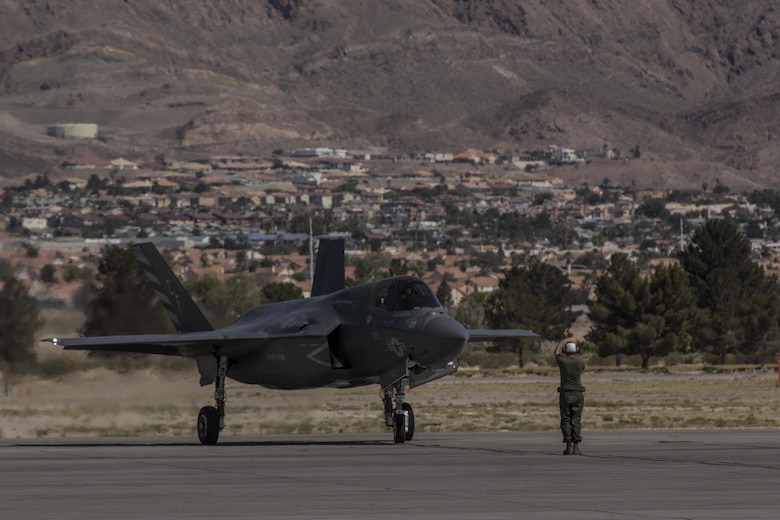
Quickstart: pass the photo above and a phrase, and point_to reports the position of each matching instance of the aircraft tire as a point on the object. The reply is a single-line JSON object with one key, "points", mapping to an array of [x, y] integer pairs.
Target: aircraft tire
{"points": [[399, 428], [406, 407], [208, 425]]}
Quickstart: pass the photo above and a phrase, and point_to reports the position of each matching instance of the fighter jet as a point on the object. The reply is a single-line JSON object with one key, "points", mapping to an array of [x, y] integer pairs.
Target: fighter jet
{"points": [[392, 332]]}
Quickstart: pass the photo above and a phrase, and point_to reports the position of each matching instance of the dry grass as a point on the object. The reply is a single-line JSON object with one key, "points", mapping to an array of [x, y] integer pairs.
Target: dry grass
{"points": [[147, 403]]}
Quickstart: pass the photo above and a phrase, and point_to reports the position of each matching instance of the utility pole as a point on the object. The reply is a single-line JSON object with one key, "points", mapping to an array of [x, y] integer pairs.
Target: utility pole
{"points": [[682, 239], [311, 255]]}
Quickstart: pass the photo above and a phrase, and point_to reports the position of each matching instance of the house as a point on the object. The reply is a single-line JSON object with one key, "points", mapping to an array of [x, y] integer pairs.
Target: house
{"points": [[564, 156], [35, 223], [482, 284], [439, 157], [475, 157], [123, 164], [87, 163]]}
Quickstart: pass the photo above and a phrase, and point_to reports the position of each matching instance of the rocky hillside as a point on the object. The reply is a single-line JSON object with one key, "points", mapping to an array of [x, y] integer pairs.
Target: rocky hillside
{"points": [[693, 83]]}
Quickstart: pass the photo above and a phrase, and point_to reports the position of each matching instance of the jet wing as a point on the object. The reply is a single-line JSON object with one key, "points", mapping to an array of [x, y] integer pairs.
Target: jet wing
{"points": [[476, 335], [188, 344], [202, 346], [165, 344]]}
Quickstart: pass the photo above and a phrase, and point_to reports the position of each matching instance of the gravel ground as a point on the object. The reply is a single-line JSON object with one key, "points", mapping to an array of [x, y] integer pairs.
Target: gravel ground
{"points": [[149, 403]]}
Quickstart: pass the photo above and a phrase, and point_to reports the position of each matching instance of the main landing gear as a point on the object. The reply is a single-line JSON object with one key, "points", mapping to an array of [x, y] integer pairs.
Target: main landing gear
{"points": [[211, 419], [401, 416]]}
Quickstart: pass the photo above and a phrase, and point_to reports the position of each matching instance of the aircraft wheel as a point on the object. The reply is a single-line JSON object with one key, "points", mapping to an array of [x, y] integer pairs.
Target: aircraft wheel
{"points": [[208, 425], [406, 407], [399, 427]]}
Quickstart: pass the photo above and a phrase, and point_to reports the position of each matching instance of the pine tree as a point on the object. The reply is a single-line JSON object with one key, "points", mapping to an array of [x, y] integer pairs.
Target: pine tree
{"points": [[729, 287], [444, 294], [761, 323], [672, 311], [122, 301], [20, 322], [536, 297], [622, 297]]}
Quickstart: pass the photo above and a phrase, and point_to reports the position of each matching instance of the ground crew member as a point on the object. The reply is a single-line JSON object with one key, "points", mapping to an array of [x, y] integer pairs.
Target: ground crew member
{"points": [[571, 391]]}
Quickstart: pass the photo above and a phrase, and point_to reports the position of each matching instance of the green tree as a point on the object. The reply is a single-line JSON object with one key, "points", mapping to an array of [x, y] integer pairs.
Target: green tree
{"points": [[672, 313], [48, 274], [444, 294], [653, 208], [280, 292], [95, 183], [20, 322], [488, 260], [368, 268], [398, 267], [471, 311], [224, 301], [242, 260], [122, 300], [761, 324], [730, 288], [619, 310], [73, 272], [202, 188], [536, 297]]}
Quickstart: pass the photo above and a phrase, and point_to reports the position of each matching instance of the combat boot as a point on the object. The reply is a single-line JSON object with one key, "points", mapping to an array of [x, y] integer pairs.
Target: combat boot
{"points": [[576, 449], [569, 449]]}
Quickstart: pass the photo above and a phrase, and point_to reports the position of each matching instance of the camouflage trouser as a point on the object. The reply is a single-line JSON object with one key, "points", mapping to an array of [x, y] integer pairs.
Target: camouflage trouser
{"points": [[572, 402]]}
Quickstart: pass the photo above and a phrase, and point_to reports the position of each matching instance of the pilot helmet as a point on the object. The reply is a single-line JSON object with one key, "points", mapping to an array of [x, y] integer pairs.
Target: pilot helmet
{"points": [[570, 348]]}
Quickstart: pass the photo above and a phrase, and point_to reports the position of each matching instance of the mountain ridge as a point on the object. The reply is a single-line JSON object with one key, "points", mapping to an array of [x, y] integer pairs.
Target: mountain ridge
{"points": [[688, 82]]}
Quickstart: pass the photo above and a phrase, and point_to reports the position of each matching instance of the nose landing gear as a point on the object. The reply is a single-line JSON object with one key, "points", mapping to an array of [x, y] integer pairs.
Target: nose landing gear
{"points": [[401, 416], [403, 424]]}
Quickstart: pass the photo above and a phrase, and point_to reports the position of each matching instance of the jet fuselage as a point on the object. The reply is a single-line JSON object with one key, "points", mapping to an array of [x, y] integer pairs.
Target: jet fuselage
{"points": [[347, 338]]}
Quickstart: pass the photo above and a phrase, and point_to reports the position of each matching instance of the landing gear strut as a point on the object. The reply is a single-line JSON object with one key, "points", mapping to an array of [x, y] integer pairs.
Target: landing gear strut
{"points": [[211, 419], [401, 416]]}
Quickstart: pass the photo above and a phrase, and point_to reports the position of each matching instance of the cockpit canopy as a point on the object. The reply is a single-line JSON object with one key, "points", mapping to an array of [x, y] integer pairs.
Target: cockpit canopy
{"points": [[404, 293]]}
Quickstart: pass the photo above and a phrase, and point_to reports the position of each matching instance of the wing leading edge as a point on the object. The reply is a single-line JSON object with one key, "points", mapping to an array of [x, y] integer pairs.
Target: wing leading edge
{"points": [[476, 335], [165, 344], [188, 344]]}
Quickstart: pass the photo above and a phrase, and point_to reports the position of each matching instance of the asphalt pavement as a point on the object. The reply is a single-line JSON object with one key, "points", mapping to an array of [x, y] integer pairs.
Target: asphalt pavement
{"points": [[710, 474]]}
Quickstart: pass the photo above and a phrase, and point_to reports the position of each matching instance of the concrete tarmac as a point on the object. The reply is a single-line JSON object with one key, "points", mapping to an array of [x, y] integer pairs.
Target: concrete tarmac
{"points": [[723, 474]]}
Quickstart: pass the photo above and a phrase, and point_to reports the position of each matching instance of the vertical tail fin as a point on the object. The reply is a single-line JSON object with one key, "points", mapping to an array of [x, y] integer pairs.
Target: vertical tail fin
{"points": [[181, 309], [329, 269]]}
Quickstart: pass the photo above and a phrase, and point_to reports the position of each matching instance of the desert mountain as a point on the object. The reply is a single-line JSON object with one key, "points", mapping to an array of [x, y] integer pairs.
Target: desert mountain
{"points": [[694, 84]]}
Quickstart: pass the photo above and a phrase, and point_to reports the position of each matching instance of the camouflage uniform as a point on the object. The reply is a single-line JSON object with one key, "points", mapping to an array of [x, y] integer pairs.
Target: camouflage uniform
{"points": [[572, 399]]}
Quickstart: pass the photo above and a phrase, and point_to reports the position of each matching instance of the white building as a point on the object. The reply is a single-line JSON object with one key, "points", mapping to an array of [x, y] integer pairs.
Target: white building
{"points": [[34, 223]]}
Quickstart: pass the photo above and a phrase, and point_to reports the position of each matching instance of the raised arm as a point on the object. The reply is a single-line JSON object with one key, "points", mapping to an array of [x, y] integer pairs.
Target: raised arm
{"points": [[557, 350]]}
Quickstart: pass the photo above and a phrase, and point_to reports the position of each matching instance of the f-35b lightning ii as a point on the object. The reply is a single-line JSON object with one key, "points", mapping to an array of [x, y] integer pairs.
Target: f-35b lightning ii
{"points": [[392, 332]]}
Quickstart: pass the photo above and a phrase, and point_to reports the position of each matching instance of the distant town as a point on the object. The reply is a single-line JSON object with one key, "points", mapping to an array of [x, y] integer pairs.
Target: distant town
{"points": [[463, 216]]}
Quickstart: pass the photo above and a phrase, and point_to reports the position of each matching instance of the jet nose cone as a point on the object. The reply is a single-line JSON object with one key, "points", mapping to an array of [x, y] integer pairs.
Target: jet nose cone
{"points": [[447, 336]]}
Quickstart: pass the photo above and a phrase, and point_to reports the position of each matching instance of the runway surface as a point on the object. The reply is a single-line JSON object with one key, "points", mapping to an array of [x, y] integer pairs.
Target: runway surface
{"points": [[722, 474]]}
